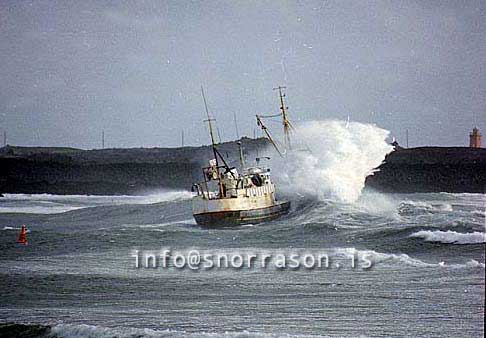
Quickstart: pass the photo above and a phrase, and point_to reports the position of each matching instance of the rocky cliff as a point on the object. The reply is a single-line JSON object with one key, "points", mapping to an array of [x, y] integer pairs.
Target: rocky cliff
{"points": [[432, 169]]}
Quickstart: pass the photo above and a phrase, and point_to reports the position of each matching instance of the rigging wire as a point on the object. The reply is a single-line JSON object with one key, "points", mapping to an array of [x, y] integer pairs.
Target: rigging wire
{"points": [[269, 116]]}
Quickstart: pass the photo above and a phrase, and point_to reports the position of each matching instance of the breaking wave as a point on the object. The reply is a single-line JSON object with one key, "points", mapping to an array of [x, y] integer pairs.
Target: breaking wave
{"points": [[387, 259], [85, 331], [340, 155], [409, 206], [156, 197], [451, 237], [54, 204], [52, 209]]}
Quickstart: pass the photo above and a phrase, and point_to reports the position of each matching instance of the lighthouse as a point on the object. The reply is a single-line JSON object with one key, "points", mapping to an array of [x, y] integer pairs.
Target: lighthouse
{"points": [[475, 138]]}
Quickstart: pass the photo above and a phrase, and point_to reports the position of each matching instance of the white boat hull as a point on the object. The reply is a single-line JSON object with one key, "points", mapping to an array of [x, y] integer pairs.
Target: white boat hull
{"points": [[237, 211]]}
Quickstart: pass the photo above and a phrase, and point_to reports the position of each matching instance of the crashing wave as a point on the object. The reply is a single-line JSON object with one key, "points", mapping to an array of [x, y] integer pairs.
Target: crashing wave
{"points": [[341, 156]]}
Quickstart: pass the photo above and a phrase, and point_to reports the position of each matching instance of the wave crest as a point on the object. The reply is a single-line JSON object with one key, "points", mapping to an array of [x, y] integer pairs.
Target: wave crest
{"points": [[88, 331], [55, 204], [451, 237]]}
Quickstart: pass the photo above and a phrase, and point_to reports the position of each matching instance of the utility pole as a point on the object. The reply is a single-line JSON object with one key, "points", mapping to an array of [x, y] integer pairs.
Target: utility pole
{"points": [[242, 158], [102, 139], [182, 136], [219, 134], [406, 133], [255, 137], [236, 127], [4, 138]]}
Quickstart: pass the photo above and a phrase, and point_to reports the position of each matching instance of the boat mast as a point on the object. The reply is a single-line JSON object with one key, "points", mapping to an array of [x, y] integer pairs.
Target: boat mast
{"points": [[285, 121], [265, 130], [238, 142], [210, 125], [215, 151], [242, 157]]}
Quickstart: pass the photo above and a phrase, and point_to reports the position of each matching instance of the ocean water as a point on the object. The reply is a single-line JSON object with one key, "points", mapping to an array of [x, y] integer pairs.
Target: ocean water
{"points": [[77, 275]]}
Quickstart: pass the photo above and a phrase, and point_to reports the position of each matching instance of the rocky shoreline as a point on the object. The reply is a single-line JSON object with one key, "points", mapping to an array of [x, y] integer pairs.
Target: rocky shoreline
{"points": [[432, 169], [138, 170]]}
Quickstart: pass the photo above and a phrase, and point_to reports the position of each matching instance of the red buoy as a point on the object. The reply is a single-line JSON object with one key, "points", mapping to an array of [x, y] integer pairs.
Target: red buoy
{"points": [[23, 236]]}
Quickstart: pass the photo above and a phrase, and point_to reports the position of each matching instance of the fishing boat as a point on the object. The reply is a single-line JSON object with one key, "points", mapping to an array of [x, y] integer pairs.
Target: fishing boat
{"points": [[228, 197]]}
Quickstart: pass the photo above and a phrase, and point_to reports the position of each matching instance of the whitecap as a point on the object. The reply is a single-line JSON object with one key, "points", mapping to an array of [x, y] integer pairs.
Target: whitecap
{"points": [[85, 331], [451, 237], [54, 204]]}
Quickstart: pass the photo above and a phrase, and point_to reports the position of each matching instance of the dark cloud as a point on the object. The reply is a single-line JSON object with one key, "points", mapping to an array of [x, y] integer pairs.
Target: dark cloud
{"points": [[134, 69]]}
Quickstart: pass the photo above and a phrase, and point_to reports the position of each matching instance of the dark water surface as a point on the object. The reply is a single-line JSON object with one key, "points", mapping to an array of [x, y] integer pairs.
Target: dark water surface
{"points": [[78, 276]]}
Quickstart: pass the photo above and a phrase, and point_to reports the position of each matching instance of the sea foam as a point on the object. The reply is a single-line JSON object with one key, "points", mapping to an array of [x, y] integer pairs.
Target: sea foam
{"points": [[338, 158], [451, 237], [85, 331], [401, 259]]}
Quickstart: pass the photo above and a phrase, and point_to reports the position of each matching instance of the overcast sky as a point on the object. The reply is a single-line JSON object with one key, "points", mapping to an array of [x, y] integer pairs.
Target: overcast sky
{"points": [[70, 69]]}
